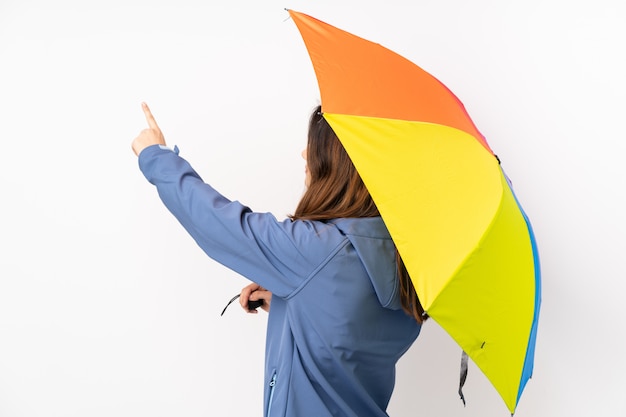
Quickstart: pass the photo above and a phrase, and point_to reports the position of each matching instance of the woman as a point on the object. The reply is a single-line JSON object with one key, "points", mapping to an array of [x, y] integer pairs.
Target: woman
{"points": [[343, 310]]}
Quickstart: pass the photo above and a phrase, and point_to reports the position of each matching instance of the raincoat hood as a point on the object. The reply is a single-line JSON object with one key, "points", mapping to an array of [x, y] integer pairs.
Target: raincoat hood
{"points": [[369, 237]]}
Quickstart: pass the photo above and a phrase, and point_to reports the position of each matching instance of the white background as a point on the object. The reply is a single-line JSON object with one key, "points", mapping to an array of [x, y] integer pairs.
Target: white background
{"points": [[107, 307]]}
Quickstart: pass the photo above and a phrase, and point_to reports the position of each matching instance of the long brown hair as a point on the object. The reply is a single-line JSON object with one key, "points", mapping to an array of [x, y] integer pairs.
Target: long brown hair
{"points": [[336, 190]]}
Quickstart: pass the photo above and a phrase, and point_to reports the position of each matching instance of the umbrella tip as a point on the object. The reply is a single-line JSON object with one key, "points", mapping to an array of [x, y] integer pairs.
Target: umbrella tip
{"points": [[288, 11]]}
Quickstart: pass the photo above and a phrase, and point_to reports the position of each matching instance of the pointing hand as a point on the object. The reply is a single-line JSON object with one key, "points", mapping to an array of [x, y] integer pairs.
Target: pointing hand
{"points": [[150, 136]]}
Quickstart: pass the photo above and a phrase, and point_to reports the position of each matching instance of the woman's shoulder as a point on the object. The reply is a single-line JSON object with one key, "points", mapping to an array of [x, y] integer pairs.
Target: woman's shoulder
{"points": [[372, 227]]}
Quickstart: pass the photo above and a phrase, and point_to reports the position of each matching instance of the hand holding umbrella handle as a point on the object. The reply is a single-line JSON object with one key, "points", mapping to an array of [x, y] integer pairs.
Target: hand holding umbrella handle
{"points": [[263, 300], [251, 306], [254, 296]]}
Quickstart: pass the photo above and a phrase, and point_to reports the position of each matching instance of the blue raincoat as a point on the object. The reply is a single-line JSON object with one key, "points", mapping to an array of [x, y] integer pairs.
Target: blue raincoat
{"points": [[336, 328]]}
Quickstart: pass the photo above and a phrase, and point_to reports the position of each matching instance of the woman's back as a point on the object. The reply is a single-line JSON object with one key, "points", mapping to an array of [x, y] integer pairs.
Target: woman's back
{"points": [[333, 344]]}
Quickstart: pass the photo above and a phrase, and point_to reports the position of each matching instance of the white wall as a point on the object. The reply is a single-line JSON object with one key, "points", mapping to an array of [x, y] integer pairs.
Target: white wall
{"points": [[108, 308]]}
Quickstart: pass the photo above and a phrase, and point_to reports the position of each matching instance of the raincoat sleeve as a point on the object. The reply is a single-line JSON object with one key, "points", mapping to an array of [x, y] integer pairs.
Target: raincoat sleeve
{"points": [[255, 245]]}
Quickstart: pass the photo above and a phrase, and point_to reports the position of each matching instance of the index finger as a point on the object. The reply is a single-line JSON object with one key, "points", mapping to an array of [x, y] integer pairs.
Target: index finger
{"points": [[149, 117]]}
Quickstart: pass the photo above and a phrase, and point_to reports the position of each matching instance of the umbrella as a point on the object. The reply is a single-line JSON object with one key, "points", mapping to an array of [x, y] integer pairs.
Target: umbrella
{"points": [[466, 242]]}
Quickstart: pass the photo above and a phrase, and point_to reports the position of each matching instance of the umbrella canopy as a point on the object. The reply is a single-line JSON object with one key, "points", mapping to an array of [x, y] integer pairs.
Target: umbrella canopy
{"points": [[466, 242]]}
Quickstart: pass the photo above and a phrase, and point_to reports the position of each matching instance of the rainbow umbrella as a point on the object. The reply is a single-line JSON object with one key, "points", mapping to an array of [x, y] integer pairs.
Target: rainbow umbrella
{"points": [[465, 240]]}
